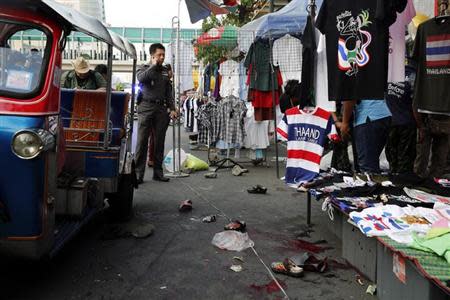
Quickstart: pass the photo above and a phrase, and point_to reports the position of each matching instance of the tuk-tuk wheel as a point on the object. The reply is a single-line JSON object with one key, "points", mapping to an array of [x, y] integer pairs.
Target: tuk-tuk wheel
{"points": [[121, 202]]}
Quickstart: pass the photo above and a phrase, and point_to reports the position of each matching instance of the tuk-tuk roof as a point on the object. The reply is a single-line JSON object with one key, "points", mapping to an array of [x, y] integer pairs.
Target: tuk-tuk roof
{"points": [[74, 20]]}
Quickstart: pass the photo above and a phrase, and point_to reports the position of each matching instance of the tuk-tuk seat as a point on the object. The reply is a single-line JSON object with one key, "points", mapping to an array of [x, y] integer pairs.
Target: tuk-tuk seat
{"points": [[83, 116]]}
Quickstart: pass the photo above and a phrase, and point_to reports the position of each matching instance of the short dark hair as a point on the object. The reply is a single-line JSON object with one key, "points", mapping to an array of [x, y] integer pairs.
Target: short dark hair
{"points": [[102, 69], [156, 46]]}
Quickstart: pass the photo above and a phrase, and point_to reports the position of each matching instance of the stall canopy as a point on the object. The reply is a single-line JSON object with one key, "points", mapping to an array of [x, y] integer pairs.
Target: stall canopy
{"points": [[225, 36], [201, 9], [291, 19]]}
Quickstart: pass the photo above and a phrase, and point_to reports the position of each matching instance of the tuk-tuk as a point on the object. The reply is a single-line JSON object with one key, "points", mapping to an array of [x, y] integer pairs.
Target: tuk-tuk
{"points": [[62, 152]]}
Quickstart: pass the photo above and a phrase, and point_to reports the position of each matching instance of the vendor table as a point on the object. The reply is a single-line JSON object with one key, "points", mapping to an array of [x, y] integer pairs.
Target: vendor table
{"points": [[425, 274]]}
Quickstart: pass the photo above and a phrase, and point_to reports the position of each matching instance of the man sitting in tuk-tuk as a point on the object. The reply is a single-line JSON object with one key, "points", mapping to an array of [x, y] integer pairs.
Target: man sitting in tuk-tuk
{"points": [[82, 77]]}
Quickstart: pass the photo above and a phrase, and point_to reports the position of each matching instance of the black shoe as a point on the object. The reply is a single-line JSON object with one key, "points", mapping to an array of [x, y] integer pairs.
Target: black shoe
{"points": [[161, 178], [140, 181]]}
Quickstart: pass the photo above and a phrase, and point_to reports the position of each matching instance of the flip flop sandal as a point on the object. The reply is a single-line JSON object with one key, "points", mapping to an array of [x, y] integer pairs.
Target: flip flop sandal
{"points": [[236, 226], [185, 206], [258, 189], [290, 270]]}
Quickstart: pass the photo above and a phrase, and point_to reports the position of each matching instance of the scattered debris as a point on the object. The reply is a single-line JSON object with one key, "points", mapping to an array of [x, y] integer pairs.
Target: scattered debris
{"points": [[194, 219], [257, 189], [185, 206], [287, 268], [209, 219], [232, 240], [237, 268], [239, 258], [163, 288], [372, 289], [238, 170], [359, 280], [211, 175], [236, 225]]}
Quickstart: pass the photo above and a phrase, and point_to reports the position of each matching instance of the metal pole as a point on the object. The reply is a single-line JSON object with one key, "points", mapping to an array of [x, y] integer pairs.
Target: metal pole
{"points": [[133, 95], [177, 173], [178, 87], [274, 108], [308, 209], [108, 98]]}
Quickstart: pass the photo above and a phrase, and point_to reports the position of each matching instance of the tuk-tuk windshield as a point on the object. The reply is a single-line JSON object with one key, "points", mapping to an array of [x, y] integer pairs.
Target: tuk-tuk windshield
{"points": [[22, 63]]}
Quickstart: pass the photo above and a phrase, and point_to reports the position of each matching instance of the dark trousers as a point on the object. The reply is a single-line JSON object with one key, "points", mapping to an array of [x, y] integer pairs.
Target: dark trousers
{"points": [[155, 118], [370, 139], [436, 144], [151, 156], [401, 148], [340, 160]]}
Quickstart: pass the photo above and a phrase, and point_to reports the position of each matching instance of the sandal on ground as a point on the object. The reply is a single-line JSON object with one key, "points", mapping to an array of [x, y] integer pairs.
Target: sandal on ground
{"points": [[258, 189], [150, 164], [236, 225], [290, 270], [185, 206]]}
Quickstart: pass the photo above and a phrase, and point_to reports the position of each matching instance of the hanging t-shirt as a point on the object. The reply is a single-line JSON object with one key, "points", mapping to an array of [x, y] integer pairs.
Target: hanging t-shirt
{"points": [[397, 44], [306, 134], [287, 54], [357, 36], [321, 75], [308, 63], [432, 54], [186, 59], [229, 85]]}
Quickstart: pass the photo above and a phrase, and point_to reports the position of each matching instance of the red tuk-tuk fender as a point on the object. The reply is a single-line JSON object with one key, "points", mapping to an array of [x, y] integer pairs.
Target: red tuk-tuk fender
{"points": [[47, 100]]}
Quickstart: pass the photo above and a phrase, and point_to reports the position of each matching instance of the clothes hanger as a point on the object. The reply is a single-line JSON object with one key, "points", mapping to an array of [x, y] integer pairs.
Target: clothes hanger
{"points": [[443, 16]]}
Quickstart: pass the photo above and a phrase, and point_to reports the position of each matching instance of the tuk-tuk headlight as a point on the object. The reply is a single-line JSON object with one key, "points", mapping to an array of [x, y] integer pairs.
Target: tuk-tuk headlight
{"points": [[29, 143]]}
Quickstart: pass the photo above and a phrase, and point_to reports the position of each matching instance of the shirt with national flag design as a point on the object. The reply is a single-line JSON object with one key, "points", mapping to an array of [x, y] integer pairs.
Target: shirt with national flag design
{"points": [[432, 54], [306, 134]]}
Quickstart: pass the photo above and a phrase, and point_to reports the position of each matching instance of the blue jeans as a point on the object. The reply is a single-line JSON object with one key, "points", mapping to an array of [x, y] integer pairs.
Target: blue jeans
{"points": [[370, 139]]}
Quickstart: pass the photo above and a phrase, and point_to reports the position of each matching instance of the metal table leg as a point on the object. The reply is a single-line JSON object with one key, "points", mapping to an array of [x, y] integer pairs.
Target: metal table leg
{"points": [[308, 209]]}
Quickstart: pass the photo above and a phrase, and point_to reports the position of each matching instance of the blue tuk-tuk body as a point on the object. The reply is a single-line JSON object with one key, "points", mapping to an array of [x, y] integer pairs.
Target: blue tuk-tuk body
{"points": [[62, 152]]}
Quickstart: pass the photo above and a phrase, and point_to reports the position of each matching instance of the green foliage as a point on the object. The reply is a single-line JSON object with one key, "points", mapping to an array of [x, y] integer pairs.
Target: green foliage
{"points": [[120, 86], [243, 15]]}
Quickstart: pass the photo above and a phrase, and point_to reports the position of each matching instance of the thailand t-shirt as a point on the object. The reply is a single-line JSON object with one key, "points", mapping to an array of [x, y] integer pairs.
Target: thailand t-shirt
{"points": [[397, 44], [432, 55], [357, 36], [306, 134]]}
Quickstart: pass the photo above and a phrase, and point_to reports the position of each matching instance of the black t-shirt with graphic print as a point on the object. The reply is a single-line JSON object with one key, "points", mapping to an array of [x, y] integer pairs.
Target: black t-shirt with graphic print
{"points": [[357, 35]]}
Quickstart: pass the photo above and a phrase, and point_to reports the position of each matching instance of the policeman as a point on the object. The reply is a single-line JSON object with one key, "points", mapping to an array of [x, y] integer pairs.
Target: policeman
{"points": [[154, 112]]}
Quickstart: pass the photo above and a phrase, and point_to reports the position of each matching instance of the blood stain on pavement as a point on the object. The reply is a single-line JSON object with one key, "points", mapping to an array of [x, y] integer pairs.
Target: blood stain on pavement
{"points": [[271, 287]]}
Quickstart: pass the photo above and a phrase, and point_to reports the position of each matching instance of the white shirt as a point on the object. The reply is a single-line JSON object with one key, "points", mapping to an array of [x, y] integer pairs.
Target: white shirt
{"points": [[186, 60], [321, 77], [397, 44], [287, 54], [230, 78]]}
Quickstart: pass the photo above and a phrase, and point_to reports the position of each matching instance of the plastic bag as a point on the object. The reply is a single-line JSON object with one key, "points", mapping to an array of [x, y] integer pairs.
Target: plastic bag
{"points": [[195, 163], [232, 240], [168, 160]]}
